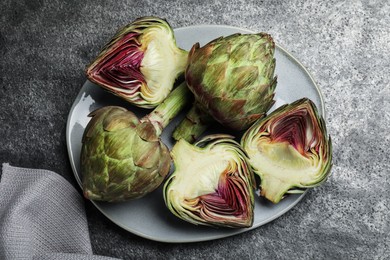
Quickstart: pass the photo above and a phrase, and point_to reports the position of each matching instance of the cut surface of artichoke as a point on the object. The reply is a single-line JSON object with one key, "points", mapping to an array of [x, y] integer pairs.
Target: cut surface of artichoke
{"points": [[214, 162], [211, 185], [140, 63], [161, 65], [278, 161], [289, 149]]}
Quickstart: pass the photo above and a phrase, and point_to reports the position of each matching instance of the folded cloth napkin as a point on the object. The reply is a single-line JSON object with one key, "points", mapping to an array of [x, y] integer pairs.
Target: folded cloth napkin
{"points": [[42, 216]]}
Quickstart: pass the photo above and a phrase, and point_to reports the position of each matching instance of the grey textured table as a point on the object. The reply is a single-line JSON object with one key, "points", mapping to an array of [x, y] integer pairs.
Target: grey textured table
{"points": [[45, 46]]}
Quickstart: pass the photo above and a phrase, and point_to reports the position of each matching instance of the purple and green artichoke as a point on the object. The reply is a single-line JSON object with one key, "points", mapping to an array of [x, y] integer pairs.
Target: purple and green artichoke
{"points": [[289, 150], [141, 62], [212, 183]]}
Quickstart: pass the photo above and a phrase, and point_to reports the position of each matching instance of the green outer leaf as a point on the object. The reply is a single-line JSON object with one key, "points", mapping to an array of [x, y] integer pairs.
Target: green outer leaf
{"points": [[116, 163], [233, 81], [232, 78]]}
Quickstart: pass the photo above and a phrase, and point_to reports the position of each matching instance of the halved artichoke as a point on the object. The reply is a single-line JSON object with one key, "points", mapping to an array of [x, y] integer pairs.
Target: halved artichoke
{"points": [[140, 63], [289, 149], [212, 183]]}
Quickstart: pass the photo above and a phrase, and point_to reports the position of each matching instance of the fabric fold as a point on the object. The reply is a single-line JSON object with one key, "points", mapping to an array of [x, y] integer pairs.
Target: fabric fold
{"points": [[42, 216]]}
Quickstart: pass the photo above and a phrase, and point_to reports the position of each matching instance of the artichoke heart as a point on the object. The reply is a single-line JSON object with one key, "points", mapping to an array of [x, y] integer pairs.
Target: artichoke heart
{"points": [[212, 183], [289, 149], [140, 63]]}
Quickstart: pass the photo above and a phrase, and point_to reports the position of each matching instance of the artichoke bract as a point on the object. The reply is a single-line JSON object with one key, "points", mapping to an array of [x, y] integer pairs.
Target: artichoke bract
{"points": [[289, 149], [122, 157], [232, 79], [212, 183], [140, 63]]}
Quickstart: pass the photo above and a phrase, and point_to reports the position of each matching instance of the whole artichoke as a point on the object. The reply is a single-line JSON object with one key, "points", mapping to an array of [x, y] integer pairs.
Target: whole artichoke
{"points": [[140, 63], [212, 183], [123, 157], [289, 149], [232, 79]]}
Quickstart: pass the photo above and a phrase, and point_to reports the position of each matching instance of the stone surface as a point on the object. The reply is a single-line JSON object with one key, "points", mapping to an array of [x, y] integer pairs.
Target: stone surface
{"points": [[46, 45]]}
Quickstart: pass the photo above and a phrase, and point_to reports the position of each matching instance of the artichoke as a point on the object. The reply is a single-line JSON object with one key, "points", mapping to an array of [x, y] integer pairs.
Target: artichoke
{"points": [[233, 81], [140, 63], [122, 157], [289, 149], [212, 183]]}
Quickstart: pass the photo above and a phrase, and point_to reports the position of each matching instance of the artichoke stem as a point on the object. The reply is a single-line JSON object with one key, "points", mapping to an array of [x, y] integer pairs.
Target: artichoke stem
{"points": [[163, 114], [273, 189], [193, 125]]}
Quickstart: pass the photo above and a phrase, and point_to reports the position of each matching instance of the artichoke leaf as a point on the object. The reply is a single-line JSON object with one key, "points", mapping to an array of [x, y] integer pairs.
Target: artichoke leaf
{"points": [[117, 162], [232, 79]]}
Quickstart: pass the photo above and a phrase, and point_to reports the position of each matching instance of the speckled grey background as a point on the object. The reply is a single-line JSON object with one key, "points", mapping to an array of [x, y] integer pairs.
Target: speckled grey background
{"points": [[45, 46]]}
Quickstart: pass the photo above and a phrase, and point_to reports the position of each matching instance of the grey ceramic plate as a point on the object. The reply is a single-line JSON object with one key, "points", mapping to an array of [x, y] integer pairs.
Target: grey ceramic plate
{"points": [[148, 217]]}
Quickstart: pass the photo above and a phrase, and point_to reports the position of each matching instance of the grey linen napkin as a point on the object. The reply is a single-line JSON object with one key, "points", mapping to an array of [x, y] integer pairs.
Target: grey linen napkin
{"points": [[42, 216]]}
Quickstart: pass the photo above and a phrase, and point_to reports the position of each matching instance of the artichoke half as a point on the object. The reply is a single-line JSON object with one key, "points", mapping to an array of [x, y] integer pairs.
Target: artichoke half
{"points": [[212, 183], [232, 79], [140, 63], [122, 157], [289, 149]]}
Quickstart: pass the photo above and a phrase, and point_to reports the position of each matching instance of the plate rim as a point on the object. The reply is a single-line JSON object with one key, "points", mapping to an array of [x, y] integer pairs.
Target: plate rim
{"points": [[213, 237]]}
